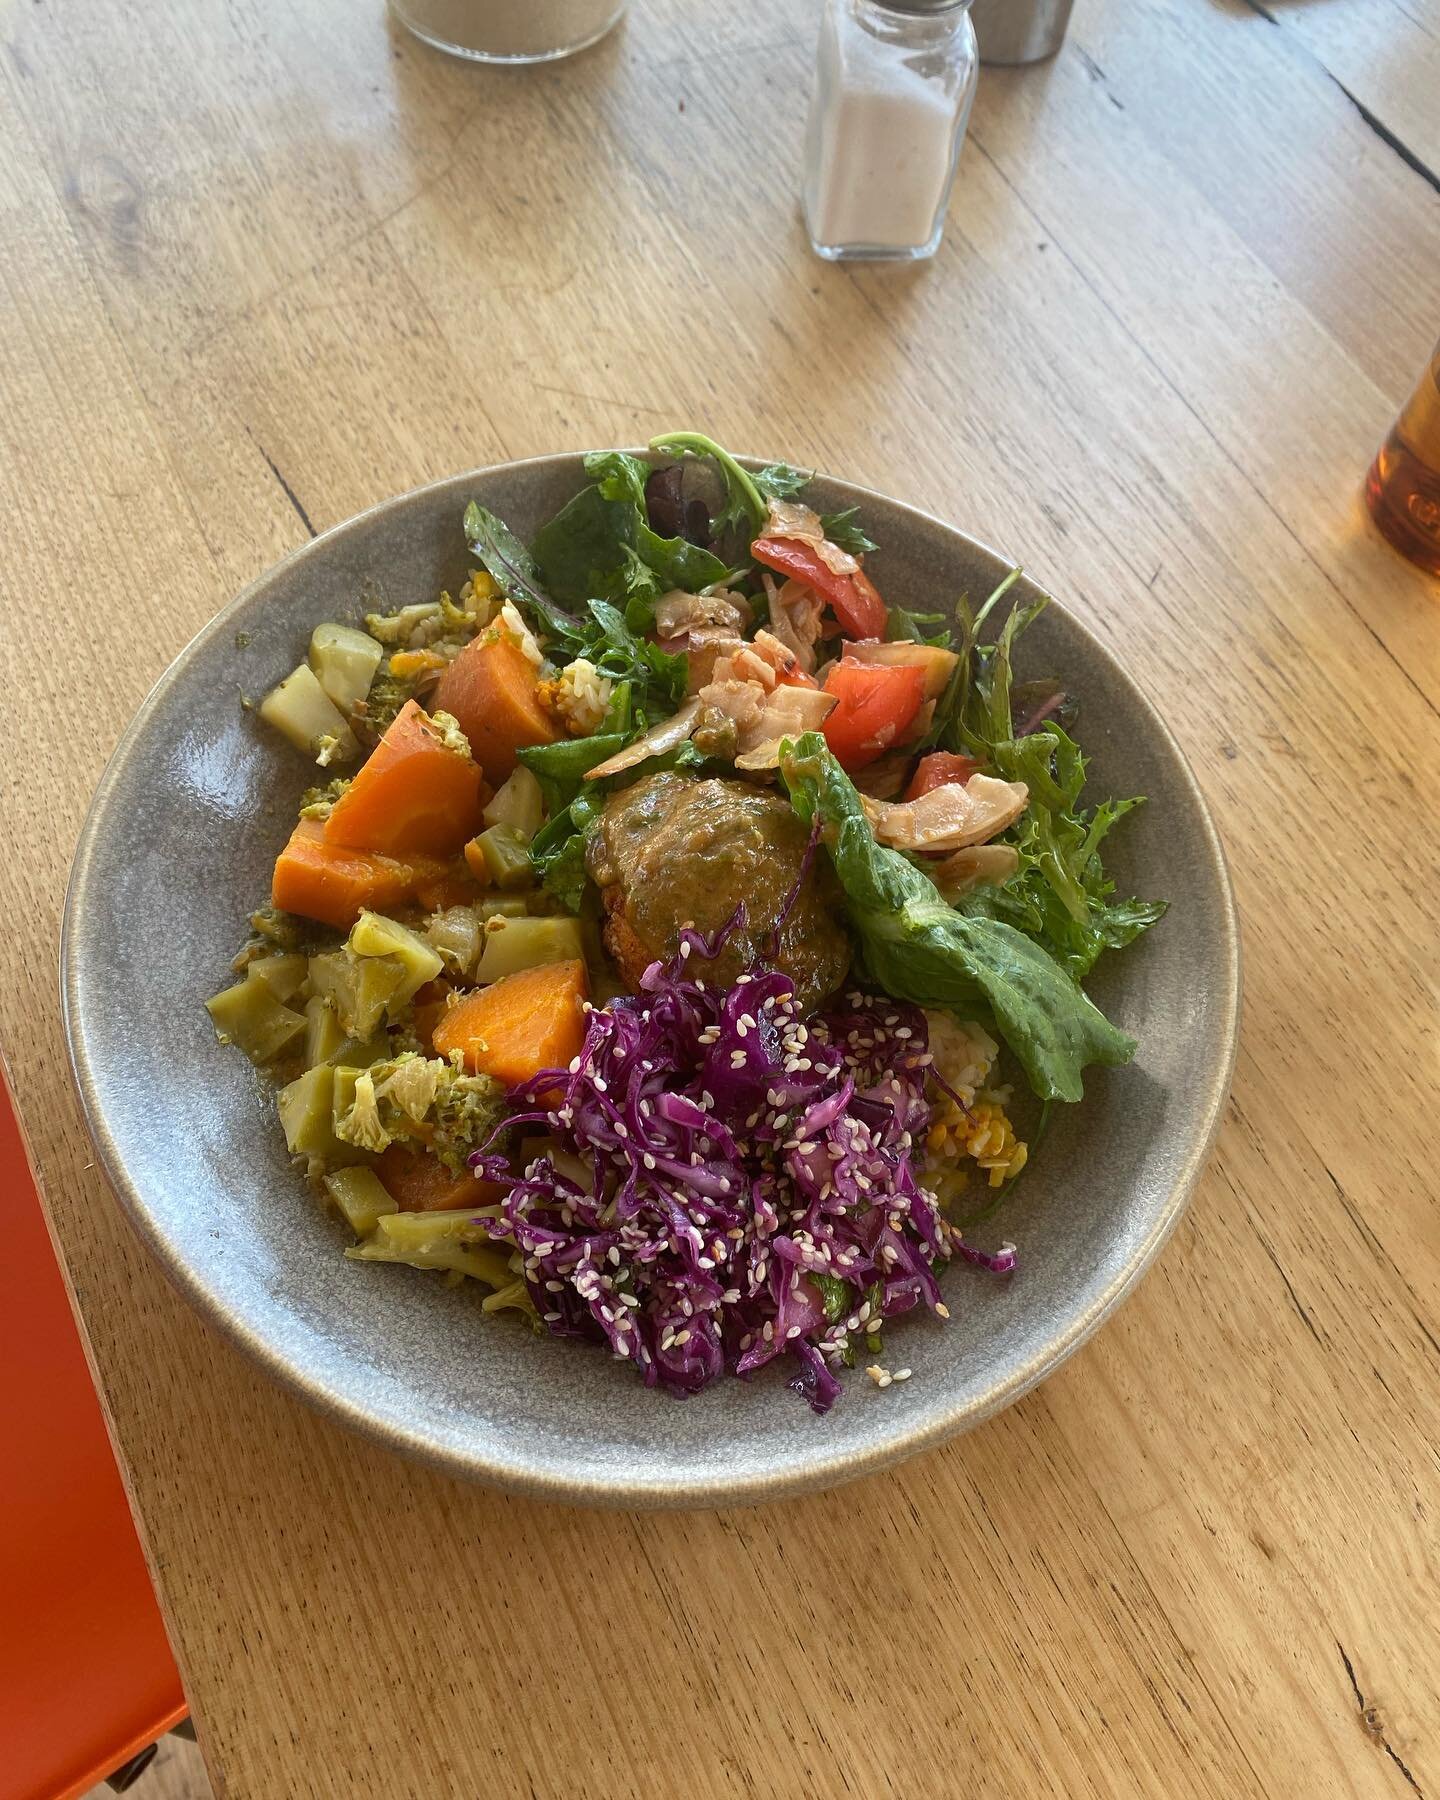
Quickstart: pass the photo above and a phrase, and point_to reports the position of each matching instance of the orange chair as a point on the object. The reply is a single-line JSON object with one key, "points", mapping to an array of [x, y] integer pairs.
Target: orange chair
{"points": [[87, 1679]]}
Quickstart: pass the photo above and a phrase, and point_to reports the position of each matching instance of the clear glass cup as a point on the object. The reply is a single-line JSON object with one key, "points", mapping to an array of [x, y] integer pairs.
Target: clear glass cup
{"points": [[1402, 489], [509, 31], [892, 96]]}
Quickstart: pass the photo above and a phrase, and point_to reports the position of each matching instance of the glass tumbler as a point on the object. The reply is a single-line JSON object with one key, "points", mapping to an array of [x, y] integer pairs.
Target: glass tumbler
{"points": [[509, 31], [1402, 489]]}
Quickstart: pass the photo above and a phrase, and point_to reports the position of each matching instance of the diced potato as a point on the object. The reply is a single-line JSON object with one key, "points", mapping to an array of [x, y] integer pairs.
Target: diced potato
{"points": [[250, 1016], [518, 803], [302, 711], [360, 988], [323, 1032], [283, 975], [374, 935], [455, 934], [515, 944], [503, 857], [361, 1196], [936, 664], [344, 661]]}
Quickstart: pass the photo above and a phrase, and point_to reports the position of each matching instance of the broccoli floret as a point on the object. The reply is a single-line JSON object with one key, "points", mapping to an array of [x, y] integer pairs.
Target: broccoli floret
{"points": [[388, 694], [317, 802], [270, 930], [467, 1109], [462, 1110], [362, 1124], [451, 734], [399, 628]]}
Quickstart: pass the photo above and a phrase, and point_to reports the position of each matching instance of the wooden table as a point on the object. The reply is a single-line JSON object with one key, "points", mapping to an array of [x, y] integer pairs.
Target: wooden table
{"points": [[264, 265]]}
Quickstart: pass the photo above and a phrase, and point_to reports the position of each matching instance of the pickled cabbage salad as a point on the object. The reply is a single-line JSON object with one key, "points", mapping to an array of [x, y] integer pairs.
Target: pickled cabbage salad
{"points": [[678, 936]]}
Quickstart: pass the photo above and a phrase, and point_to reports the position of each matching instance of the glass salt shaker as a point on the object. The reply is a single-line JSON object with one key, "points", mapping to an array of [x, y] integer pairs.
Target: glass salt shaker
{"points": [[892, 96]]}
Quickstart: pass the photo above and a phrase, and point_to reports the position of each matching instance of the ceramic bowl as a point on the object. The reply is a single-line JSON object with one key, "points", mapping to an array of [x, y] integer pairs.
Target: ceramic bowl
{"points": [[177, 851]]}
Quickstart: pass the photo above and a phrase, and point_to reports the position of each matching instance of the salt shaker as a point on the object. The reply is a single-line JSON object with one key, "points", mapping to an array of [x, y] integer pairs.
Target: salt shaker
{"points": [[892, 95]]}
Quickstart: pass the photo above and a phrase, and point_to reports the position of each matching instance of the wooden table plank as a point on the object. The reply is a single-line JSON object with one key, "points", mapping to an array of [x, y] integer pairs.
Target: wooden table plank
{"points": [[267, 266]]}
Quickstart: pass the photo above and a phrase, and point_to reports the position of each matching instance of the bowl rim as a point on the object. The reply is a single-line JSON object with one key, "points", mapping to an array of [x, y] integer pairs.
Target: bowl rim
{"points": [[514, 1473]]}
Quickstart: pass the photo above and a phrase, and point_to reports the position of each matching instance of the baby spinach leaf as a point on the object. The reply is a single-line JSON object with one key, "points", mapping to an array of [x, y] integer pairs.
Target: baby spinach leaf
{"points": [[919, 948]]}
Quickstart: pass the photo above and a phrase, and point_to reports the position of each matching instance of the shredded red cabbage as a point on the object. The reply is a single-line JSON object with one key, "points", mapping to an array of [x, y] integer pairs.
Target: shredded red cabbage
{"points": [[753, 1191]]}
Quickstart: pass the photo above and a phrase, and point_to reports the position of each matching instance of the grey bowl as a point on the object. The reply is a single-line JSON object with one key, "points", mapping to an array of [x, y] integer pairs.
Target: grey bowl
{"points": [[177, 850]]}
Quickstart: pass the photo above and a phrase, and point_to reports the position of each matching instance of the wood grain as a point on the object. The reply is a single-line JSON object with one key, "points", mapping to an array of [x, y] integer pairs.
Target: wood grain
{"points": [[267, 265]]}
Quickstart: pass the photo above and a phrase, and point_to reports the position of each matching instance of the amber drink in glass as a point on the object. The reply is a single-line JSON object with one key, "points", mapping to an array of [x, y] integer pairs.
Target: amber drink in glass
{"points": [[1402, 489]]}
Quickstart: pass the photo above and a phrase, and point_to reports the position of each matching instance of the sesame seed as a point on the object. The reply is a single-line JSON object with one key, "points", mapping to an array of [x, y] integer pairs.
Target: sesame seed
{"points": [[878, 1375], [902, 1375], [574, 1065], [793, 1332], [942, 1309], [648, 1160], [737, 1059], [614, 1255], [683, 1337], [686, 947]]}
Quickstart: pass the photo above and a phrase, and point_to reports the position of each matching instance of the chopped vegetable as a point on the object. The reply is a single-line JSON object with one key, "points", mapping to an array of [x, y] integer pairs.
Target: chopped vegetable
{"points": [[307, 1119], [344, 661], [518, 803], [360, 988], [251, 1016], [434, 1241], [284, 974], [500, 857], [323, 1034], [876, 707], [938, 769], [422, 1183], [918, 948], [936, 665], [529, 1021], [514, 944], [851, 597], [361, 1197], [454, 933], [334, 884], [707, 1179], [491, 689], [375, 935], [301, 710], [419, 791]]}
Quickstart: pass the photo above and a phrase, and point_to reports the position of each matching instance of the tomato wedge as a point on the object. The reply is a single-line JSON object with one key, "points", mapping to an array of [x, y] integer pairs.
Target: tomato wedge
{"points": [[876, 705], [939, 769], [852, 598]]}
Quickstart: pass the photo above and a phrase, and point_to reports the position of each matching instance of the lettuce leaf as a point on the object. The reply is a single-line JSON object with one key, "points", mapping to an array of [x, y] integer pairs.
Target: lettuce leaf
{"points": [[918, 948]]}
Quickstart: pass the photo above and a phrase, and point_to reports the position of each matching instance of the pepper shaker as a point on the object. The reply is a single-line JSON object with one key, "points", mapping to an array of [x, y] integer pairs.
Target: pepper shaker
{"points": [[892, 95]]}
